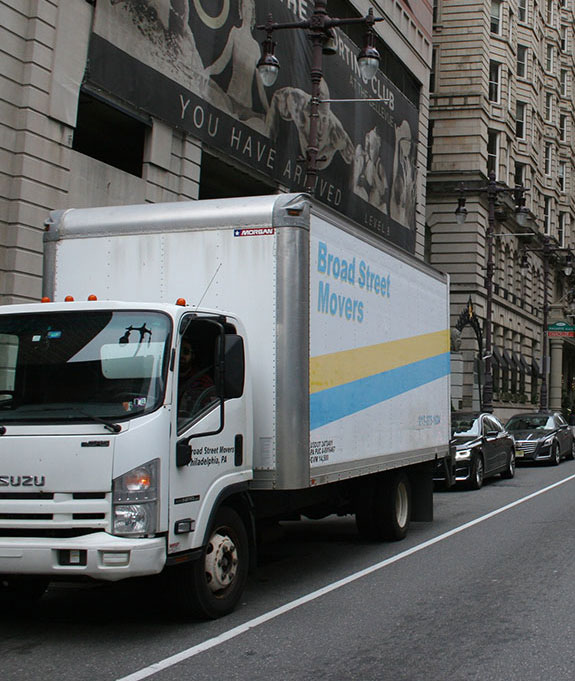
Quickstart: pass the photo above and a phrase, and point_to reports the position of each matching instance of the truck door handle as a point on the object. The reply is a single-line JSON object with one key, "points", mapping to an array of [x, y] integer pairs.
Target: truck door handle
{"points": [[238, 450]]}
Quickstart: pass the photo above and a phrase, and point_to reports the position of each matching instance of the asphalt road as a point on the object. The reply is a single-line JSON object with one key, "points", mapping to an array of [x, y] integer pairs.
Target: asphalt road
{"points": [[485, 592]]}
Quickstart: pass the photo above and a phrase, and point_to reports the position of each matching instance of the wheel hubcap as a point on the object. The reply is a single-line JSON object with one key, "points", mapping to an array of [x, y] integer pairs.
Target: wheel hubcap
{"points": [[401, 505], [479, 471], [221, 562]]}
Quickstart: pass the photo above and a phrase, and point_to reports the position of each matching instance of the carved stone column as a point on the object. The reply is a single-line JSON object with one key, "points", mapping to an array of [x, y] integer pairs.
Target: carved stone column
{"points": [[556, 373]]}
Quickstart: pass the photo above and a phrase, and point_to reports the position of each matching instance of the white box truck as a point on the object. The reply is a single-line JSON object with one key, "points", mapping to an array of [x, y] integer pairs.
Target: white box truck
{"points": [[205, 367]]}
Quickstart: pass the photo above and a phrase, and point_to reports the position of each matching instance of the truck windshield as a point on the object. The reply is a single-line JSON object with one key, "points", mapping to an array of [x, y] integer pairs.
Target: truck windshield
{"points": [[82, 366]]}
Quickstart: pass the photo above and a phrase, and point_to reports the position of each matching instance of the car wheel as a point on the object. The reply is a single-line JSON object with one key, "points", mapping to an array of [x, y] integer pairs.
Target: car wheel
{"points": [[571, 454], [555, 455], [477, 472], [509, 471]]}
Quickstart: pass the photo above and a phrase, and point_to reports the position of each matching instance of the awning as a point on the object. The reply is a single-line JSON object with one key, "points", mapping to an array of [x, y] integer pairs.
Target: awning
{"points": [[517, 362], [524, 364], [496, 353], [507, 359], [535, 368]]}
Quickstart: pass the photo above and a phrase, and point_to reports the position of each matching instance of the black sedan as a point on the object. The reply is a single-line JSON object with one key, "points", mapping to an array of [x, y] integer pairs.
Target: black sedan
{"points": [[542, 436], [481, 448]]}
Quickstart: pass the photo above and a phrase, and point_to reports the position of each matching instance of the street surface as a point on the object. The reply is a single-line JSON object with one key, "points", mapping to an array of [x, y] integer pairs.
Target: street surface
{"points": [[485, 592]]}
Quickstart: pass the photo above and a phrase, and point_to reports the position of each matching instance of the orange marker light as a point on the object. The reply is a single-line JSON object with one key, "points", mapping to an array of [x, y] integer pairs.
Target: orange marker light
{"points": [[181, 301], [45, 299], [69, 299], [92, 297]]}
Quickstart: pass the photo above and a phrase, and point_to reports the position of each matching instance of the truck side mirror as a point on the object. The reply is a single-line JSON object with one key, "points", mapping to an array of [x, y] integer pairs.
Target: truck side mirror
{"points": [[230, 371], [183, 453]]}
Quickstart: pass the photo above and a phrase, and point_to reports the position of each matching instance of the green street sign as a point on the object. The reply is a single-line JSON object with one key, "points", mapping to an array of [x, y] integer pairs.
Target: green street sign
{"points": [[559, 329]]}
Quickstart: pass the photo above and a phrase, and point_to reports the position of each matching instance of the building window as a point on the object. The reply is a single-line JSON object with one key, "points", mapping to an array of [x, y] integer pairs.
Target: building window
{"points": [[548, 158], [511, 26], [521, 109], [563, 82], [548, 107], [563, 128], [109, 134], [563, 39], [547, 214], [561, 175], [522, 9], [549, 58], [550, 12], [493, 152], [433, 69], [519, 177], [430, 144], [494, 81], [521, 61], [496, 17], [561, 225]]}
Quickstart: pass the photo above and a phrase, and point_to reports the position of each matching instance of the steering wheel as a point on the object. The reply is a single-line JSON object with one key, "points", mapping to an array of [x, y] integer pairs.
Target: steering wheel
{"points": [[207, 395]]}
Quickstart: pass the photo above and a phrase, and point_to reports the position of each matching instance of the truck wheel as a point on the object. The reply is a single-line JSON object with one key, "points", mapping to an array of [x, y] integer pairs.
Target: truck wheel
{"points": [[22, 588], [212, 586], [384, 508]]}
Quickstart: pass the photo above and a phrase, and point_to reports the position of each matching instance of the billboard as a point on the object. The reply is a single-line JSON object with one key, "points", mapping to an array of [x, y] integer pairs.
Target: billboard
{"points": [[192, 64]]}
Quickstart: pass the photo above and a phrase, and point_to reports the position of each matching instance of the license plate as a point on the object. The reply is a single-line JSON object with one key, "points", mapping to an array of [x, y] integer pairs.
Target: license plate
{"points": [[519, 453]]}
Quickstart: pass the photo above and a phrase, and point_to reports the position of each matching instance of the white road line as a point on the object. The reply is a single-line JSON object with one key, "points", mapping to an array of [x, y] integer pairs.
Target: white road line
{"points": [[292, 605]]}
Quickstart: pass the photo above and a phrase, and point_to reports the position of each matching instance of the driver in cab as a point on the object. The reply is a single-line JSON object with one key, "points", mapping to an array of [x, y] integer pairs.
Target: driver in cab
{"points": [[196, 387]]}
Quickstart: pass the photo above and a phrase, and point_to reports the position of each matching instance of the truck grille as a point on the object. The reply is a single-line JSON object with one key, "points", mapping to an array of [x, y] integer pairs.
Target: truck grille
{"points": [[53, 514]]}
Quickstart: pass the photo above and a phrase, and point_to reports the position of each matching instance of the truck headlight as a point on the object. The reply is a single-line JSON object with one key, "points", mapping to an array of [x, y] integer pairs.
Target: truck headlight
{"points": [[135, 501], [463, 455]]}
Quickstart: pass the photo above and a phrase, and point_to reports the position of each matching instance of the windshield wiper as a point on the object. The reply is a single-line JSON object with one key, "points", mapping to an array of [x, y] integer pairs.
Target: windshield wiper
{"points": [[112, 427]]}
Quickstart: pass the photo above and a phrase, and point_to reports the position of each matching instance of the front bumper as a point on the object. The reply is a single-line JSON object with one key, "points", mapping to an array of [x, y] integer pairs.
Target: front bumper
{"points": [[463, 470], [98, 555]]}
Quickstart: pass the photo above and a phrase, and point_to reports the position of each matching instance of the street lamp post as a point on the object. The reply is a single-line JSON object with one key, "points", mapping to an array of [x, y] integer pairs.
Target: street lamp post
{"points": [[492, 189], [320, 29], [547, 251]]}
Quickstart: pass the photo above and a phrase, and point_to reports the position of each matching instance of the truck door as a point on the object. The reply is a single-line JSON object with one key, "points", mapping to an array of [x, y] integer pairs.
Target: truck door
{"points": [[209, 440]]}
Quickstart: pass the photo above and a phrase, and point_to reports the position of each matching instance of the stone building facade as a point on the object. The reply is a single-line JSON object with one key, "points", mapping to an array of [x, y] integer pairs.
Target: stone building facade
{"points": [[108, 102], [502, 89]]}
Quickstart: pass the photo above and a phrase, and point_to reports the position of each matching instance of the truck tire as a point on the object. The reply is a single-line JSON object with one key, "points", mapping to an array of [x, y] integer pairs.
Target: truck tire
{"points": [[384, 507], [212, 586]]}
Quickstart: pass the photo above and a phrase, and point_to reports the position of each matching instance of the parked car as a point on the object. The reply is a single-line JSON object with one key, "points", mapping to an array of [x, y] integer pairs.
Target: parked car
{"points": [[481, 448], [541, 436]]}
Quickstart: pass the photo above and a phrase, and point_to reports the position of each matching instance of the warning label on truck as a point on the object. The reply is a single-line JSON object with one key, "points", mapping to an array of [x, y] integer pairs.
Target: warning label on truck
{"points": [[319, 451]]}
